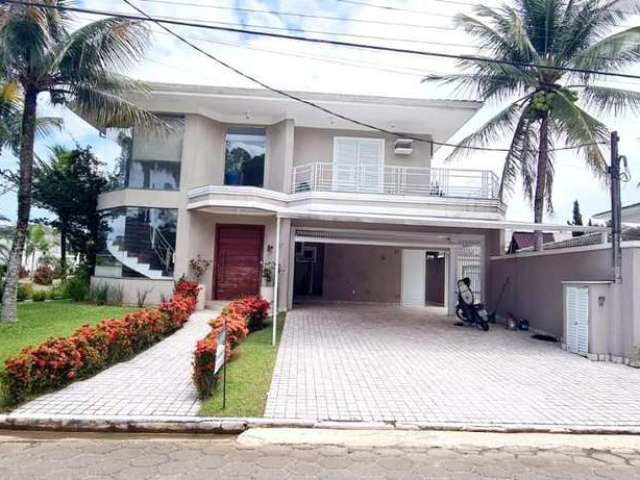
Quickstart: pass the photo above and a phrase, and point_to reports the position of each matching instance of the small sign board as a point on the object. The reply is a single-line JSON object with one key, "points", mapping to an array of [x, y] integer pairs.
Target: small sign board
{"points": [[220, 350], [221, 361]]}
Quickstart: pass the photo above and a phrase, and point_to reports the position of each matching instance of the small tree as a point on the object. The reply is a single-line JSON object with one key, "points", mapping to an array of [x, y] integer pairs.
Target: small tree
{"points": [[577, 218], [68, 184], [77, 68]]}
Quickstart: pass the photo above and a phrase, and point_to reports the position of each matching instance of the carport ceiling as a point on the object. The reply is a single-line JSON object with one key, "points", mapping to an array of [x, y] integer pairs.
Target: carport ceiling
{"points": [[372, 237]]}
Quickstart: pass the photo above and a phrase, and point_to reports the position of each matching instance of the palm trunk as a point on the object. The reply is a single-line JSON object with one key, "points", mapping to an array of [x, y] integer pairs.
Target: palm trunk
{"points": [[9, 300], [63, 247], [541, 177]]}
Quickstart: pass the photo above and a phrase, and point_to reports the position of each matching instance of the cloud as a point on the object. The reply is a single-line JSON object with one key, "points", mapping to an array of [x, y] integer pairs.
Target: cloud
{"points": [[358, 71]]}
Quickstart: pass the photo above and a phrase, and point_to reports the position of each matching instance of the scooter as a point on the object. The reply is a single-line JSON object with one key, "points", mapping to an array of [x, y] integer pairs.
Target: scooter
{"points": [[467, 310]]}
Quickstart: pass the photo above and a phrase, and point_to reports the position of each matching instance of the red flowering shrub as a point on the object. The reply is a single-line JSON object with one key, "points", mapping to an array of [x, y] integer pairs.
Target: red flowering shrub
{"points": [[254, 309], [179, 309], [204, 361], [58, 361], [236, 318], [187, 288]]}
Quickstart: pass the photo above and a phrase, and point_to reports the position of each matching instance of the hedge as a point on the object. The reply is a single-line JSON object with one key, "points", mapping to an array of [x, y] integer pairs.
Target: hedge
{"points": [[240, 317], [90, 349]]}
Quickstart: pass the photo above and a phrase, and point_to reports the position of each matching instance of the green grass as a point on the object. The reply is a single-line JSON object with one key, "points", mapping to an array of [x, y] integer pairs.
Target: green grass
{"points": [[248, 377], [39, 321]]}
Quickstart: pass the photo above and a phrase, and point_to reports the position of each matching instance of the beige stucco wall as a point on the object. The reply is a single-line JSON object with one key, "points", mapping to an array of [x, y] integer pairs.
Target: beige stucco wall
{"points": [[316, 145], [535, 291], [131, 287], [203, 153], [362, 273], [279, 156]]}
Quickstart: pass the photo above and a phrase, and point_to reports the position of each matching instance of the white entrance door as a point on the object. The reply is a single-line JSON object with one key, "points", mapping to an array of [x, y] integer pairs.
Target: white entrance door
{"points": [[412, 284], [358, 165]]}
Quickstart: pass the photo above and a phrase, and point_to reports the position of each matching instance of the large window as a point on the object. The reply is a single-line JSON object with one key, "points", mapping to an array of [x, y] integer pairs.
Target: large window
{"points": [[137, 242], [244, 159], [148, 159], [154, 175]]}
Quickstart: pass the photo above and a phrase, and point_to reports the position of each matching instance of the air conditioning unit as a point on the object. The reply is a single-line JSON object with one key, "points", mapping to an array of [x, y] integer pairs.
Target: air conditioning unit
{"points": [[403, 146]]}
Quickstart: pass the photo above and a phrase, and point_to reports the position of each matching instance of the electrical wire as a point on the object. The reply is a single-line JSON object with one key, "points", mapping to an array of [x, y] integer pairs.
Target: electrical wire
{"points": [[296, 14], [320, 107], [161, 24], [164, 22]]}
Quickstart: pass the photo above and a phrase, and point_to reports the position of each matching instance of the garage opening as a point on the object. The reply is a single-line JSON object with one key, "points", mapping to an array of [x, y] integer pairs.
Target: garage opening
{"points": [[391, 267], [368, 274]]}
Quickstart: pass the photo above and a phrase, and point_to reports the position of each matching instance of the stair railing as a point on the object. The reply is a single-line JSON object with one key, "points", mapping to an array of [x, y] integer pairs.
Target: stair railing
{"points": [[162, 248]]}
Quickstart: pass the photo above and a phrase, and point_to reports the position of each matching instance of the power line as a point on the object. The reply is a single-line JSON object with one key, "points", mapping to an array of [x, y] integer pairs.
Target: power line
{"points": [[320, 107], [328, 41], [402, 9], [299, 15], [408, 71]]}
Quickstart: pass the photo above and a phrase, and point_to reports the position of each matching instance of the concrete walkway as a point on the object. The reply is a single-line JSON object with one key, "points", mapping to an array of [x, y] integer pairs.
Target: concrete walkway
{"points": [[157, 382], [388, 363]]}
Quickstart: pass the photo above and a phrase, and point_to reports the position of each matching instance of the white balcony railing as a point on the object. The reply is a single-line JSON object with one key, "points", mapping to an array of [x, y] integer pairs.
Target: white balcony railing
{"points": [[391, 180]]}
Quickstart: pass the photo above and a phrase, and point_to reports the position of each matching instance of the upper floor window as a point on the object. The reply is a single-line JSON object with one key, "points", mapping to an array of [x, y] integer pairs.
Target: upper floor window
{"points": [[244, 157], [149, 159]]}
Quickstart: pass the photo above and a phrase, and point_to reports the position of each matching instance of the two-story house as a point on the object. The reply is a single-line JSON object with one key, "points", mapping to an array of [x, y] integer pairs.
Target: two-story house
{"points": [[249, 179]]}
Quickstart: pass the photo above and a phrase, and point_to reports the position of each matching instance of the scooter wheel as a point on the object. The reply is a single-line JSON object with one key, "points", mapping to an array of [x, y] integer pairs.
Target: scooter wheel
{"points": [[484, 326]]}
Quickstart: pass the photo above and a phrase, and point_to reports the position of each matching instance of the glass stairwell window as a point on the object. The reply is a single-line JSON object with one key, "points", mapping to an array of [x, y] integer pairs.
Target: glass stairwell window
{"points": [[244, 156], [137, 242]]}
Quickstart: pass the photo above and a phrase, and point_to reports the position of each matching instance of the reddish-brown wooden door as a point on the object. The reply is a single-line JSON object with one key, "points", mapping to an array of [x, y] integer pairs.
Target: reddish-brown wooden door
{"points": [[238, 257]]}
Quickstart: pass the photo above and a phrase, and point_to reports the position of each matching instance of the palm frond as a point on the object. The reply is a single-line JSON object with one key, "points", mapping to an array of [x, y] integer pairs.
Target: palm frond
{"points": [[105, 46], [521, 158], [607, 100], [495, 129], [108, 109], [611, 53], [581, 130], [486, 87]]}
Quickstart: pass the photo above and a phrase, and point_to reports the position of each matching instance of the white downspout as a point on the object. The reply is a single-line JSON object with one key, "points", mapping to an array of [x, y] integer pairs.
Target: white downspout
{"points": [[274, 307]]}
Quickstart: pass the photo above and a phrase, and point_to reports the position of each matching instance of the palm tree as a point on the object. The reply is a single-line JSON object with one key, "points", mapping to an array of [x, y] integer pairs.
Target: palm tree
{"points": [[40, 53], [541, 106]]}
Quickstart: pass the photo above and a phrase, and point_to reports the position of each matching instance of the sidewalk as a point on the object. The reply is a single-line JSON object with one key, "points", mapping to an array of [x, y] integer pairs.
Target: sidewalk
{"points": [[155, 383]]}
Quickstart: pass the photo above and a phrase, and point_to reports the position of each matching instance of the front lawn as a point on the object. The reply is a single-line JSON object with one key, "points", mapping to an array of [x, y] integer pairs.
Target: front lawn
{"points": [[40, 320], [248, 377]]}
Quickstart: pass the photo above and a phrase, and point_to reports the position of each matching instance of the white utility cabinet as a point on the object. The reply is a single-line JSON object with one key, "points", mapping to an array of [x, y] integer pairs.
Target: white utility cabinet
{"points": [[586, 316]]}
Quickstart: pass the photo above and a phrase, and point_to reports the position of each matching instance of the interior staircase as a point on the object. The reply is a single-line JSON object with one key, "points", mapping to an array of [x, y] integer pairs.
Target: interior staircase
{"points": [[135, 251]]}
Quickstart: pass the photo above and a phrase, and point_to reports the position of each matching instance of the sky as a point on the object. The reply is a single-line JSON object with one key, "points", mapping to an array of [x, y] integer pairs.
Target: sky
{"points": [[285, 64]]}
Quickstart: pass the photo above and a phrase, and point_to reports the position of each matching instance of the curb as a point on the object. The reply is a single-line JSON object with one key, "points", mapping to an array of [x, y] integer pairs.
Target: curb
{"points": [[228, 425]]}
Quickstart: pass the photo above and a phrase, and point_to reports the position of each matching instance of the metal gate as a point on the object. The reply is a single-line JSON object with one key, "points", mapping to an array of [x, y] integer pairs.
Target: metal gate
{"points": [[470, 260]]}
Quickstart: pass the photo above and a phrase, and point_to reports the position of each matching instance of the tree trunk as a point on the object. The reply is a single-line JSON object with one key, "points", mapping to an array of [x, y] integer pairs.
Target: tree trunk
{"points": [[541, 179], [9, 300], [63, 247]]}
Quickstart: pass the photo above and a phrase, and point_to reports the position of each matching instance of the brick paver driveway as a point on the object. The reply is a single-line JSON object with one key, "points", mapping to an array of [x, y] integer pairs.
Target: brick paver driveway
{"points": [[156, 382], [388, 363]]}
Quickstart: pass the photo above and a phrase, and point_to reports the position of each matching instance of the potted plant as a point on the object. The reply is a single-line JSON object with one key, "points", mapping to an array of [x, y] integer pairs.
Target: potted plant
{"points": [[198, 267]]}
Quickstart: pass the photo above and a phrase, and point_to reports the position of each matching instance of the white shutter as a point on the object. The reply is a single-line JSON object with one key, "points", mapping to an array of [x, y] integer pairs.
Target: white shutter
{"points": [[370, 165], [345, 164], [577, 319], [358, 165]]}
